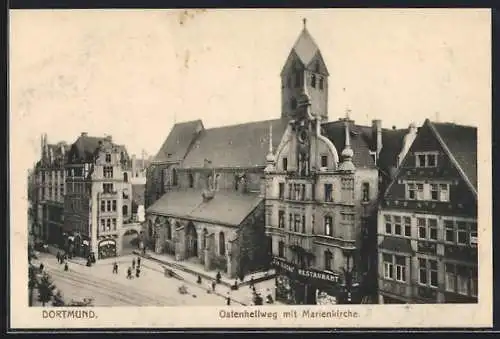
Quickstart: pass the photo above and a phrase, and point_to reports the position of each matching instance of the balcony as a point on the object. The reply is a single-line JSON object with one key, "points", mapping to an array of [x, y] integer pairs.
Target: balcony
{"points": [[300, 240], [274, 230]]}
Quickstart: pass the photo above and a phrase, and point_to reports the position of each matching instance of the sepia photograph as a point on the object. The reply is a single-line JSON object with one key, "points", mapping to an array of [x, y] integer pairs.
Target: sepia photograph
{"points": [[253, 168]]}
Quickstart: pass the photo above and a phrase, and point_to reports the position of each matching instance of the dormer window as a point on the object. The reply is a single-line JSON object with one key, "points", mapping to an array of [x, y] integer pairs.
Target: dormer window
{"points": [[324, 161], [321, 83], [108, 157], [425, 159]]}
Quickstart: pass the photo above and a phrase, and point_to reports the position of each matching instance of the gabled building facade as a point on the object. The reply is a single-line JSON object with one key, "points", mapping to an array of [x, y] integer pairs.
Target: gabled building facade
{"points": [[427, 222], [98, 199]]}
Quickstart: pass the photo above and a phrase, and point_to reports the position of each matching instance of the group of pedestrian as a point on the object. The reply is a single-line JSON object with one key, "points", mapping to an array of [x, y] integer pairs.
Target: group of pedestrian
{"points": [[135, 267], [63, 259]]}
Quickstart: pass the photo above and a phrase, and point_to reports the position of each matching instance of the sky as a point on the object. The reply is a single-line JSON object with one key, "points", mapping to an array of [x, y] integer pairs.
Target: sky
{"points": [[133, 73]]}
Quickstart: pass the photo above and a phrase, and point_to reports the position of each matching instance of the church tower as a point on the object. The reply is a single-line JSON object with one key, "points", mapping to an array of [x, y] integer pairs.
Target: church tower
{"points": [[304, 66]]}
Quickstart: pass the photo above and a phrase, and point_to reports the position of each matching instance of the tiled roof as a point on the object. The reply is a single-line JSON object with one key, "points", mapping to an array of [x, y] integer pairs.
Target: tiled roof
{"points": [[86, 147], [360, 141], [178, 141], [243, 145], [392, 143], [462, 143], [227, 207]]}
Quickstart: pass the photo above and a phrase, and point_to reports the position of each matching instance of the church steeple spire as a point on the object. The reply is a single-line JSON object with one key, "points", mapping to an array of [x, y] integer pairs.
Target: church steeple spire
{"points": [[304, 67]]}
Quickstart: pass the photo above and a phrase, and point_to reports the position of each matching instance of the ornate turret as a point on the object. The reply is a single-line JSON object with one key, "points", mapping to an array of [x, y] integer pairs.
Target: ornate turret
{"points": [[347, 152], [270, 158]]}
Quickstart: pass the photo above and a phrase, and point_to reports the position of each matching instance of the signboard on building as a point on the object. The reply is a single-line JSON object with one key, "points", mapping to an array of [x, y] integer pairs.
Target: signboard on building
{"points": [[307, 273]]}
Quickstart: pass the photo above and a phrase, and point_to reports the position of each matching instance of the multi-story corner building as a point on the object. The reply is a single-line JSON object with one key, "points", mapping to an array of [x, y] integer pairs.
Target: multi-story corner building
{"points": [[427, 222], [49, 191], [98, 200]]}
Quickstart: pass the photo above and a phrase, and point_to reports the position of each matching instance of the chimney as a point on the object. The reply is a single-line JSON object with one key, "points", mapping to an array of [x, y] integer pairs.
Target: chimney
{"points": [[84, 134], [377, 134]]}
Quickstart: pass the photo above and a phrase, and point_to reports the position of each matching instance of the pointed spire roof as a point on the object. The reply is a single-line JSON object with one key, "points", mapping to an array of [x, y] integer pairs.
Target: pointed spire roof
{"points": [[347, 152], [305, 47], [270, 158]]}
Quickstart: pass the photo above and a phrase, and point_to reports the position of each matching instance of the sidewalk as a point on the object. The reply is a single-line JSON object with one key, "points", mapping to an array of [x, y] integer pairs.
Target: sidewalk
{"points": [[196, 269], [188, 272]]}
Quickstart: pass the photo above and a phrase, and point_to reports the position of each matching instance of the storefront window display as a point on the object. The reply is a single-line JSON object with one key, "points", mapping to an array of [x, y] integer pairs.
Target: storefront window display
{"points": [[284, 291]]}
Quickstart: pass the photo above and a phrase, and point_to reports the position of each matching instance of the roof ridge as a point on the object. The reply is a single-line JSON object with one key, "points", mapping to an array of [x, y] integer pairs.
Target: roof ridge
{"points": [[448, 123], [243, 123]]}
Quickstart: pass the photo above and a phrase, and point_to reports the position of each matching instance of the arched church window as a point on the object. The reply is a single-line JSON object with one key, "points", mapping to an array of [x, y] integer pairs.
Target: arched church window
{"points": [[222, 244], [297, 79], [191, 180], [313, 81], [293, 103]]}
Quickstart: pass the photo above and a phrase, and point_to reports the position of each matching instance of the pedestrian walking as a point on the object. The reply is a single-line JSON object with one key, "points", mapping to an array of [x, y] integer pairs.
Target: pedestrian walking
{"points": [[41, 267], [218, 277], [251, 283], [66, 268], [115, 268], [139, 261], [198, 280], [129, 273], [137, 272], [144, 250], [213, 286], [228, 300], [133, 264], [58, 256]]}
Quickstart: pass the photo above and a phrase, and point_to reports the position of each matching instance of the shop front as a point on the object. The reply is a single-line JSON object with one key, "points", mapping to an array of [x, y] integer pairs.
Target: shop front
{"points": [[305, 286], [107, 249]]}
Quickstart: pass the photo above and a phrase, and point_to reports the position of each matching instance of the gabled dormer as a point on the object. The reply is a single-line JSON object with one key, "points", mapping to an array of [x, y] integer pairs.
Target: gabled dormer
{"points": [[304, 66], [438, 173]]}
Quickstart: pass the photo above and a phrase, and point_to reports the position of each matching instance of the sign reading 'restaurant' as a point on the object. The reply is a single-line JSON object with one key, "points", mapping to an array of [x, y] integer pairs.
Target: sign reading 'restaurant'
{"points": [[304, 272]]}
